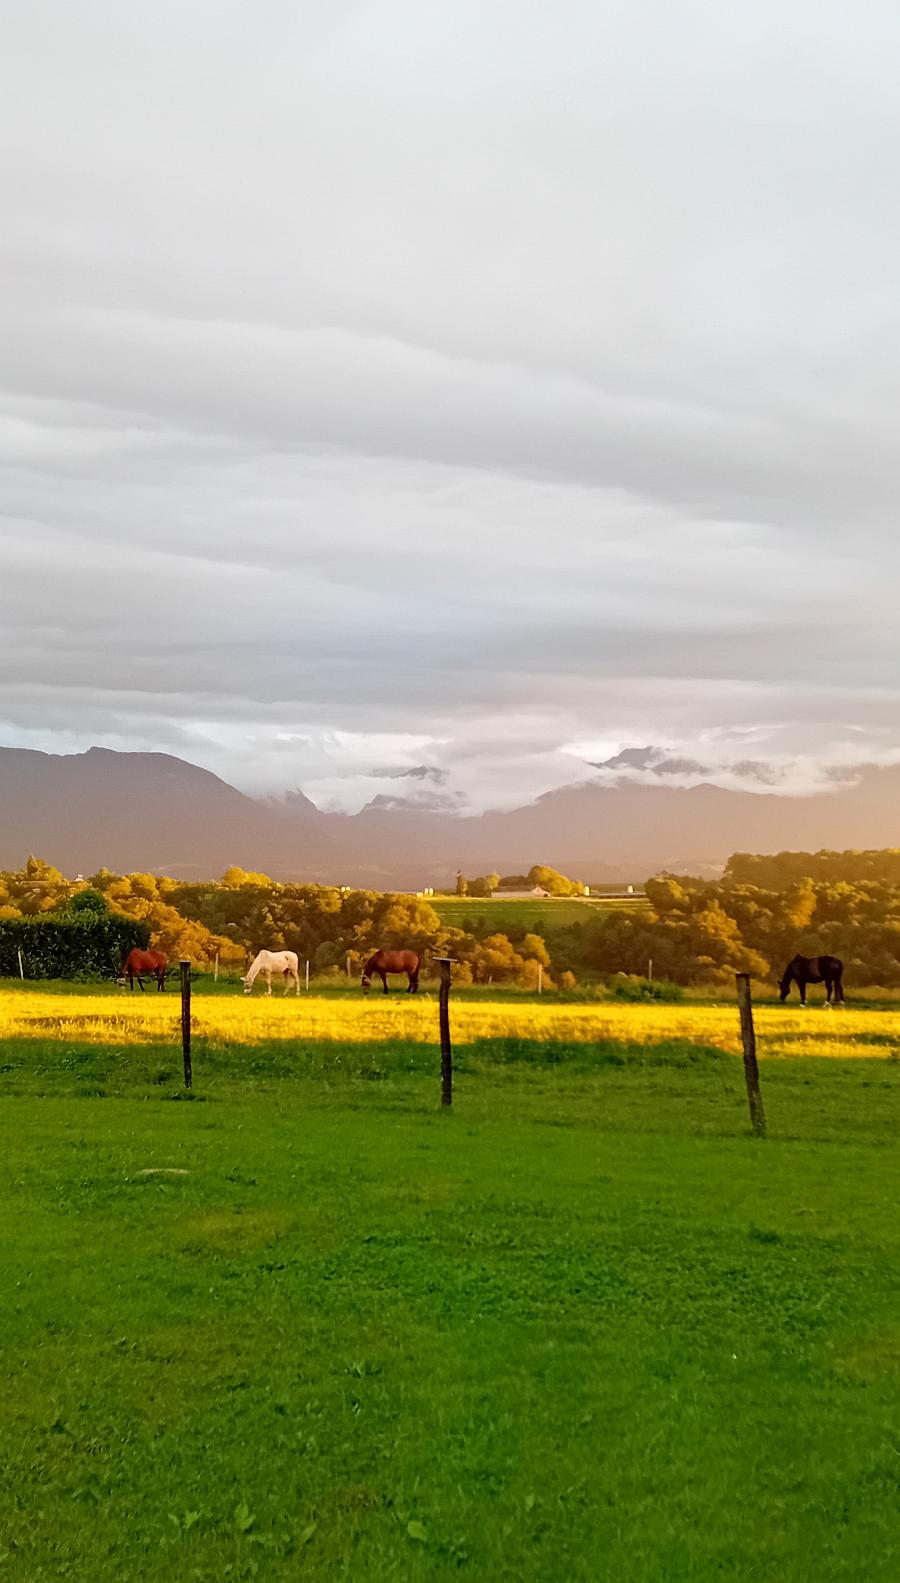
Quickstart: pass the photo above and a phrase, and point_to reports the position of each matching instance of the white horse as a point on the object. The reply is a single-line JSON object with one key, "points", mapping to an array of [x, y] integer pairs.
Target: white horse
{"points": [[269, 962]]}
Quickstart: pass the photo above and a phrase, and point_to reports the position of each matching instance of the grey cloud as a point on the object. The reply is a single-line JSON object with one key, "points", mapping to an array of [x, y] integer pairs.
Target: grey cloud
{"points": [[419, 772], [457, 404]]}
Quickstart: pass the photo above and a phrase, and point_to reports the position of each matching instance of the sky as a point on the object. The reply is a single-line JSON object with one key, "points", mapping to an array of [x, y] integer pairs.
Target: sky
{"points": [[480, 389]]}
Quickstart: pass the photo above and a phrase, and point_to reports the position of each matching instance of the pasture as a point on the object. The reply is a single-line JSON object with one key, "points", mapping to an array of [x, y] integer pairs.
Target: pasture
{"points": [[497, 915], [305, 1325]]}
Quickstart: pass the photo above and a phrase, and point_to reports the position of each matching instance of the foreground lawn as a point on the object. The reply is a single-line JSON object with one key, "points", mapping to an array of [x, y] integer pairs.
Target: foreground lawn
{"points": [[582, 1328]]}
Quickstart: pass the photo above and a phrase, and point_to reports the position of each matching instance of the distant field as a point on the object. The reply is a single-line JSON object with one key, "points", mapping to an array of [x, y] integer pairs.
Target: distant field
{"points": [[495, 916]]}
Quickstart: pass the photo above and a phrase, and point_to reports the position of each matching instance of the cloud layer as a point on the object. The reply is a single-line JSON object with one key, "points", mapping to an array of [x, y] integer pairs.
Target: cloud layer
{"points": [[481, 390]]}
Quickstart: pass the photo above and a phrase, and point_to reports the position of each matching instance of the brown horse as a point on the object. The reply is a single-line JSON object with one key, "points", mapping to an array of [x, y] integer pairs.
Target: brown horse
{"points": [[803, 970], [137, 963], [384, 962]]}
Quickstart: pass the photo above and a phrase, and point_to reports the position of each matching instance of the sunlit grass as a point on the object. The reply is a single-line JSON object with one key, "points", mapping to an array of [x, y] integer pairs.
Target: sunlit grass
{"points": [[114, 1017]]}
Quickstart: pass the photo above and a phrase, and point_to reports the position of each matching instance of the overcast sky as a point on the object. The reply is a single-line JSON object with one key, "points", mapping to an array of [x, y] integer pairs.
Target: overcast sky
{"points": [[487, 386]]}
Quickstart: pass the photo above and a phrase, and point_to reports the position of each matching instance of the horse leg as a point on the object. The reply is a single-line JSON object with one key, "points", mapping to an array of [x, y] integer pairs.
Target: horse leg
{"points": [[383, 977], [267, 972], [161, 978]]}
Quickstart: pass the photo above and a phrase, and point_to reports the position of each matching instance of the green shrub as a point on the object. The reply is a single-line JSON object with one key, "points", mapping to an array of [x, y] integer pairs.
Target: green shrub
{"points": [[646, 989], [62, 946]]}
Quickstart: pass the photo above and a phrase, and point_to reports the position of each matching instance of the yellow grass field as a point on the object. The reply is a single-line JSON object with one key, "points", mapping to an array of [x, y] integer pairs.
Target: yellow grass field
{"points": [[114, 1018]]}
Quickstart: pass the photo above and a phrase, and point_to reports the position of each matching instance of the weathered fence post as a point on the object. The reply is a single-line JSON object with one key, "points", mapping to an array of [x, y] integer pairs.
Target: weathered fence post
{"points": [[216, 970], [307, 974], [348, 964], [540, 978], [751, 1069], [21, 964], [650, 971], [444, 964], [186, 1022]]}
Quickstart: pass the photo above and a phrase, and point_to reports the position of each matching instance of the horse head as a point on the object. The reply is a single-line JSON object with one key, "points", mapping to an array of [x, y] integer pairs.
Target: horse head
{"points": [[790, 973], [364, 983], [248, 985]]}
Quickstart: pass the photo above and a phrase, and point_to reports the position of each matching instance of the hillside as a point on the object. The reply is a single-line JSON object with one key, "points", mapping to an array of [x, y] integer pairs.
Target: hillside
{"points": [[156, 812], [84, 811]]}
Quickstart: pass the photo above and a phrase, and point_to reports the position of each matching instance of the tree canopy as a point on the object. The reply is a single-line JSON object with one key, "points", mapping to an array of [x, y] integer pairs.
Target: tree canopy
{"points": [[843, 904]]}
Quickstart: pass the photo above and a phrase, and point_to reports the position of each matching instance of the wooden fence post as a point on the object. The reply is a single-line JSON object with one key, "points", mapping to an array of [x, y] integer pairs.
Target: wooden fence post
{"points": [[307, 974], [445, 964], [348, 964], [21, 964], [540, 978], [186, 1022], [751, 1069], [216, 970]]}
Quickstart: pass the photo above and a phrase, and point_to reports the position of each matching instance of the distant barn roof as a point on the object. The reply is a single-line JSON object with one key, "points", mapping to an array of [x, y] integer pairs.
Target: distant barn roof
{"points": [[522, 894]]}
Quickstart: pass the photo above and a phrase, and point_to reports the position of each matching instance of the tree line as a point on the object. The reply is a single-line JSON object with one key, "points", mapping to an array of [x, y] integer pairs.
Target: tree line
{"points": [[538, 876], [229, 920], [763, 911]]}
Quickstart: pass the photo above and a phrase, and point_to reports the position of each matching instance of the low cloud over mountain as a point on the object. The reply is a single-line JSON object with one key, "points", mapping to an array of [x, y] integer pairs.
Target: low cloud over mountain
{"points": [[648, 766], [153, 811]]}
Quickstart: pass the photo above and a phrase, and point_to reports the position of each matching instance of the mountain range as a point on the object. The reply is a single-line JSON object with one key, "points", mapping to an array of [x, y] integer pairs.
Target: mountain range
{"points": [[158, 813]]}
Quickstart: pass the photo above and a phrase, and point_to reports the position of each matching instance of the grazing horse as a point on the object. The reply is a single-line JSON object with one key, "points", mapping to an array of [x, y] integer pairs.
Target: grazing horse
{"points": [[384, 962], [137, 963], [269, 962], [803, 970]]}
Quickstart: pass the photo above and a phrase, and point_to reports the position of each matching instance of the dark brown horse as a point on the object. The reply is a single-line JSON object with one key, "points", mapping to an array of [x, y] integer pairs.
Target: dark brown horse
{"points": [[138, 963], [384, 962], [803, 970]]}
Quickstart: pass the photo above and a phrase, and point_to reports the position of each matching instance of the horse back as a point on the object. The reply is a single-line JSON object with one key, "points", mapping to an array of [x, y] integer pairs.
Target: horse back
{"points": [[816, 969], [393, 962], [145, 961]]}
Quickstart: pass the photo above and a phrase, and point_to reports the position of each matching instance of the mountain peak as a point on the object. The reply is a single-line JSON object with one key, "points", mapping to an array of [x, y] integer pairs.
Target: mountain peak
{"points": [[154, 811]]}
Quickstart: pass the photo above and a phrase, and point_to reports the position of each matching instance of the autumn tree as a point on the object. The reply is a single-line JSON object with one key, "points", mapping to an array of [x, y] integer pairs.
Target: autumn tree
{"points": [[553, 882]]}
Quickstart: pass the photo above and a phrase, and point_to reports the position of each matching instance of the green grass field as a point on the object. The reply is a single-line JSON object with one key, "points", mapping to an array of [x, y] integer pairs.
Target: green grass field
{"points": [[307, 1326], [496, 916]]}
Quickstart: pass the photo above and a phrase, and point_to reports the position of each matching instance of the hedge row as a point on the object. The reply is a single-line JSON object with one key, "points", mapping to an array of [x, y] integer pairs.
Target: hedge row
{"points": [[55, 947]]}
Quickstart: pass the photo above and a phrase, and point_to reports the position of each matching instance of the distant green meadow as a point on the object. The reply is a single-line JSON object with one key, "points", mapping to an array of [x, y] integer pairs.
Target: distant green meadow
{"points": [[495, 915], [306, 1325]]}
